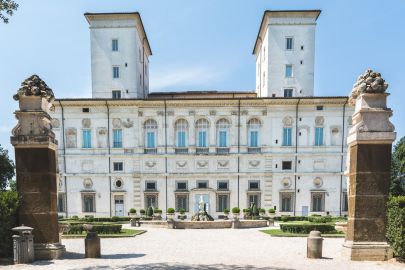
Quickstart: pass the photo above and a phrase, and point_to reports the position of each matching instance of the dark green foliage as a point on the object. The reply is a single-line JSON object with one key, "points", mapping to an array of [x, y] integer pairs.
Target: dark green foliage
{"points": [[6, 164], [157, 211], [182, 211], [396, 225], [115, 219], [320, 219], [170, 210], [236, 210], [272, 211], [286, 218], [132, 211], [99, 228], [262, 211], [245, 210], [142, 211], [255, 211], [226, 211], [8, 220], [91, 219], [307, 227], [397, 187], [149, 212], [8, 6]]}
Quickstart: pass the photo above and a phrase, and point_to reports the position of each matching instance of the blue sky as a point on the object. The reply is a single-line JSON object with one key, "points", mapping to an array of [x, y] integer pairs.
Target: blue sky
{"points": [[200, 45]]}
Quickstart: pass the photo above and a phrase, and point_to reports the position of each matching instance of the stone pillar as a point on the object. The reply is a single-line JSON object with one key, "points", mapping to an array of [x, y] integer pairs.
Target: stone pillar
{"points": [[35, 156], [368, 170]]}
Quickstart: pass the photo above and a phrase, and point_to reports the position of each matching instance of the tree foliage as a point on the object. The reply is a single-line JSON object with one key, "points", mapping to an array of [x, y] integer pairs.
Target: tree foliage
{"points": [[397, 187], [7, 8], [8, 219], [6, 168]]}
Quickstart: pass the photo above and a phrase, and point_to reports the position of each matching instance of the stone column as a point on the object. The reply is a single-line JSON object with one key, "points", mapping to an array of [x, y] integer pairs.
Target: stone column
{"points": [[368, 170], [36, 167]]}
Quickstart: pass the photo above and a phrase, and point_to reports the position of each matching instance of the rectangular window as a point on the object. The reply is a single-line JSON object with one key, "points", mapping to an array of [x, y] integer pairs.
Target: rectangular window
{"points": [[150, 185], [222, 185], [345, 205], [181, 202], [254, 185], [202, 139], [88, 203], [181, 185], [287, 136], [288, 71], [116, 72], [288, 92], [222, 202], [151, 200], [286, 165], [254, 199], [118, 166], [85, 110], [319, 108], [150, 136], [117, 138], [286, 202], [202, 184], [61, 202], [318, 202], [222, 139], [254, 134], [181, 139], [114, 45], [289, 43], [86, 138], [116, 94], [319, 136]]}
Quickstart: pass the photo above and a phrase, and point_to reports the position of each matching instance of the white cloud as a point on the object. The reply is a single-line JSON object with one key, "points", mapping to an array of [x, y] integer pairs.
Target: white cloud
{"points": [[170, 79]]}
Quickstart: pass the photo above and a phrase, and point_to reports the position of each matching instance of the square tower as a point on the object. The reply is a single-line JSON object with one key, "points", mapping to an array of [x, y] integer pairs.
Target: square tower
{"points": [[285, 53], [119, 55]]}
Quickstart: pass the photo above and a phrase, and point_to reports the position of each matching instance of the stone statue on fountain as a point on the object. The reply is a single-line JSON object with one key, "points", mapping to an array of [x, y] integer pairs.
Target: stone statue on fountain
{"points": [[202, 214]]}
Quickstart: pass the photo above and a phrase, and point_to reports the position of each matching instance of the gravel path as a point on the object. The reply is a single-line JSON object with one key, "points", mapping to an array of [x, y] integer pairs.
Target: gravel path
{"points": [[206, 249]]}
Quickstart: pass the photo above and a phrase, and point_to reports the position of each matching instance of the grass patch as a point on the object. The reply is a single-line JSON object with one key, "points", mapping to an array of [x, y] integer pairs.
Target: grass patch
{"points": [[280, 233], [123, 233]]}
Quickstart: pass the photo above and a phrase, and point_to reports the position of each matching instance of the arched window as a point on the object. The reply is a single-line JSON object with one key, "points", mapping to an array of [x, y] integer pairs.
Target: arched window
{"points": [[223, 126], [181, 128], [253, 132], [202, 126], [150, 134]]}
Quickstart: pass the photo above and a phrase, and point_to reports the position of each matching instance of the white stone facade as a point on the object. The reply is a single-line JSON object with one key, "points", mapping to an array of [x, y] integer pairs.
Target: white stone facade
{"points": [[171, 149]]}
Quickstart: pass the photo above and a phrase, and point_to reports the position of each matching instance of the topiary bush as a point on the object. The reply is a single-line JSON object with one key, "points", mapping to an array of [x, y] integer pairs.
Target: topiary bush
{"points": [[8, 219], [132, 211], [306, 228], [272, 211], [262, 211], [182, 211], [142, 211], [396, 225], [245, 210], [149, 212], [170, 210], [235, 210]]}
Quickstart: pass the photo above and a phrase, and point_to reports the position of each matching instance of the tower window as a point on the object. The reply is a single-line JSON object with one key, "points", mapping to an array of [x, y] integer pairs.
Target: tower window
{"points": [[85, 110], [116, 94], [114, 45], [286, 165], [288, 71], [319, 108], [289, 43], [116, 72]]}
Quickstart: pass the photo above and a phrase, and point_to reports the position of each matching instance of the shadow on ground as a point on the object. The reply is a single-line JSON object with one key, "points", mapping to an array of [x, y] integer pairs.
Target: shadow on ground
{"points": [[158, 266], [74, 255]]}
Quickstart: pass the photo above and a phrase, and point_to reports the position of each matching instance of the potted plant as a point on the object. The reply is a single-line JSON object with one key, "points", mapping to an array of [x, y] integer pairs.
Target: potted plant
{"points": [[262, 212], [236, 212], [142, 212], [182, 214], [157, 214], [226, 213], [132, 212], [245, 213], [272, 212], [170, 213]]}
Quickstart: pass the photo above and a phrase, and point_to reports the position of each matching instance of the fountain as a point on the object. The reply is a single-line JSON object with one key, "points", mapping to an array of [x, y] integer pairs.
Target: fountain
{"points": [[202, 214]]}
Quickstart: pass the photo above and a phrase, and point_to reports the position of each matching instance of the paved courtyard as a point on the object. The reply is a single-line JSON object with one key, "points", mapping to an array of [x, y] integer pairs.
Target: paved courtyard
{"points": [[206, 249]]}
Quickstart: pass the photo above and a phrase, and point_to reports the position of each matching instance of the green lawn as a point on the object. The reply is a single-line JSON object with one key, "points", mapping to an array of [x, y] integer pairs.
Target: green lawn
{"points": [[124, 233], [280, 233]]}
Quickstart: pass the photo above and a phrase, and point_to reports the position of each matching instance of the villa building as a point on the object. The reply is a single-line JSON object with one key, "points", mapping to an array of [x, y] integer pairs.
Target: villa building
{"points": [[278, 146]]}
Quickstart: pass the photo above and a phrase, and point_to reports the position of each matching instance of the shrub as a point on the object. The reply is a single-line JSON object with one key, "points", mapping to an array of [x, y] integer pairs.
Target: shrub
{"points": [[306, 228], [115, 219], [74, 217], [182, 211], [142, 211], [261, 210], [255, 210], [272, 211], [149, 212], [170, 210], [396, 225], [158, 211], [320, 219], [286, 218], [8, 220], [99, 228], [104, 219], [132, 211], [235, 210], [245, 210], [226, 211]]}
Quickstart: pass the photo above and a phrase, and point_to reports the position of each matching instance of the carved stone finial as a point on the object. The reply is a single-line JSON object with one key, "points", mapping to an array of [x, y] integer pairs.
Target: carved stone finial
{"points": [[369, 82], [35, 86]]}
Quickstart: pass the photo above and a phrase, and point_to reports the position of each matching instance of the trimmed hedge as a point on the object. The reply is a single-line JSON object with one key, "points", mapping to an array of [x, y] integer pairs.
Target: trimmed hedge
{"points": [[320, 219], [290, 218], [306, 228], [99, 228], [98, 219], [396, 225], [8, 220]]}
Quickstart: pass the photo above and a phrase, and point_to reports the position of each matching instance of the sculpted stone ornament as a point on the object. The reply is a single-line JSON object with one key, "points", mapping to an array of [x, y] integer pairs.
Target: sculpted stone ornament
{"points": [[35, 86], [369, 82]]}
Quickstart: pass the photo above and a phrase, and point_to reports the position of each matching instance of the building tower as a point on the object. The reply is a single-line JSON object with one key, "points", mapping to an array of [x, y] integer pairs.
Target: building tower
{"points": [[285, 53], [119, 55]]}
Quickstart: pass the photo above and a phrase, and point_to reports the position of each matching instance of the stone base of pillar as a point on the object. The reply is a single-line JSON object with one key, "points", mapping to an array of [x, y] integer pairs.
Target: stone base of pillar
{"points": [[367, 251], [49, 251]]}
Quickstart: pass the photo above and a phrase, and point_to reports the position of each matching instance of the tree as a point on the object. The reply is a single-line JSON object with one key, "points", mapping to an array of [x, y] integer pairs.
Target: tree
{"points": [[7, 7], [397, 187], [6, 169]]}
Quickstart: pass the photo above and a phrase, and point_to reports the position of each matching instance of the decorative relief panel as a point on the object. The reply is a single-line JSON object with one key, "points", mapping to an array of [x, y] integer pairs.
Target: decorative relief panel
{"points": [[140, 113], [319, 121], [71, 138], [213, 112], [150, 164], [286, 182], [55, 123], [128, 123], [318, 182], [87, 183], [202, 164], [288, 121], [253, 164], [181, 164], [319, 164], [116, 123], [102, 137], [86, 123], [223, 164]]}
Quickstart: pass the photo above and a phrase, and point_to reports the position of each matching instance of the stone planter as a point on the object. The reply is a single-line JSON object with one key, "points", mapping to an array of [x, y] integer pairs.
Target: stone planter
{"points": [[341, 226], [170, 216], [235, 216], [132, 215]]}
